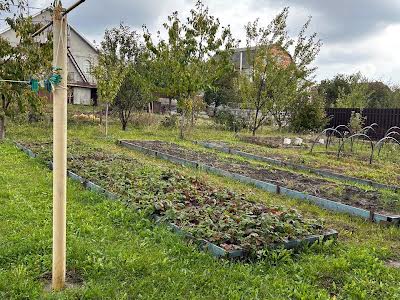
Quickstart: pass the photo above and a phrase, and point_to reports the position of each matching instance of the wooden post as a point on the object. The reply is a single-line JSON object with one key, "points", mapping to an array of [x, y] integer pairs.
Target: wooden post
{"points": [[59, 149], [106, 119]]}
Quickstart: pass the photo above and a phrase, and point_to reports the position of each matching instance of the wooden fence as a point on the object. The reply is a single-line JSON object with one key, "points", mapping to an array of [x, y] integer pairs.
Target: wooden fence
{"points": [[385, 118]]}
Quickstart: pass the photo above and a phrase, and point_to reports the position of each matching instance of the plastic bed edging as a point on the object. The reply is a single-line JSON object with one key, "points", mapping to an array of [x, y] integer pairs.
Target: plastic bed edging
{"points": [[270, 187]]}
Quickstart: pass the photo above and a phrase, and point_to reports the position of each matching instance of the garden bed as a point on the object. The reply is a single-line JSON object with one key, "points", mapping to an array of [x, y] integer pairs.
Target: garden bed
{"points": [[384, 170], [220, 221], [370, 201], [269, 141], [322, 172]]}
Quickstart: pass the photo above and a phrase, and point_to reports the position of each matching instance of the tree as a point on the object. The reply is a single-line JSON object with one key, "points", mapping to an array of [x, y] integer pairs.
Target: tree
{"points": [[194, 49], [308, 113], [358, 95], [135, 91], [330, 89], [379, 95], [119, 46], [277, 77], [6, 4], [222, 91], [21, 62], [395, 97]]}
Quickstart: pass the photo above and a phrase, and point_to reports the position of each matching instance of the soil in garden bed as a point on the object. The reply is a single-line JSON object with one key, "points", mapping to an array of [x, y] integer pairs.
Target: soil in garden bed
{"points": [[347, 194], [270, 142], [299, 159], [228, 219]]}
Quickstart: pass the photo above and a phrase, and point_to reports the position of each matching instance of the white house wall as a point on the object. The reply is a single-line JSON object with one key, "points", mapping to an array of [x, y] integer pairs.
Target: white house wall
{"points": [[43, 18], [81, 95], [83, 52]]}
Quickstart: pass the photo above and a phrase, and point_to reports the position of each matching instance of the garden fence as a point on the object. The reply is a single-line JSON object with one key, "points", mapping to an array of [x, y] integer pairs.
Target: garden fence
{"points": [[385, 118]]}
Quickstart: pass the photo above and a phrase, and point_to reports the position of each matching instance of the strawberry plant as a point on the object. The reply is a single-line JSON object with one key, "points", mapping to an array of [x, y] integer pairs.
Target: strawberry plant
{"points": [[220, 215]]}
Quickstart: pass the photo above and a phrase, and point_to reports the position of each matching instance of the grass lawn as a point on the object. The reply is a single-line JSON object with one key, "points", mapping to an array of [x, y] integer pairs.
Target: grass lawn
{"points": [[121, 255]]}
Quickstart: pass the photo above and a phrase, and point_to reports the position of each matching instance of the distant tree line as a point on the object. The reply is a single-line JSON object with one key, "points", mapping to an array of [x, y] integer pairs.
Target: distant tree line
{"points": [[357, 91]]}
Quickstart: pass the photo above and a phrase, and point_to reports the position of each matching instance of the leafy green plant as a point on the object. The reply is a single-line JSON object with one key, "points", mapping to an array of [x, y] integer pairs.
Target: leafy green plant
{"points": [[170, 121], [231, 121], [308, 113], [356, 122], [219, 215]]}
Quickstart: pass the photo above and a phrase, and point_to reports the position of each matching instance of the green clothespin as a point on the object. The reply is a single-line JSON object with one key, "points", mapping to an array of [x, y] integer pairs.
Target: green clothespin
{"points": [[34, 83], [53, 80], [47, 85]]}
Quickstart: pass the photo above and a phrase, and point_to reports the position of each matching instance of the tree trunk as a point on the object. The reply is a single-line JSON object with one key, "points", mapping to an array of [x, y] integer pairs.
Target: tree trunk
{"points": [[182, 129], [2, 127], [170, 105], [255, 122], [106, 118]]}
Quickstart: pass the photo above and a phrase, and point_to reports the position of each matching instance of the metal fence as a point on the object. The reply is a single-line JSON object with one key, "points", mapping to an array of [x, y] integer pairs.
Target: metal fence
{"points": [[385, 118]]}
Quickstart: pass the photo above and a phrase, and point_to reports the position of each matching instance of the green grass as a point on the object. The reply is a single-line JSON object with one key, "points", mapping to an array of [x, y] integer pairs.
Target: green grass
{"points": [[122, 255]]}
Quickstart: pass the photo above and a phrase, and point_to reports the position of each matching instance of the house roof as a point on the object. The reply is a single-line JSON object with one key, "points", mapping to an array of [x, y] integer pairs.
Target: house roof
{"points": [[69, 25], [245, 57]]}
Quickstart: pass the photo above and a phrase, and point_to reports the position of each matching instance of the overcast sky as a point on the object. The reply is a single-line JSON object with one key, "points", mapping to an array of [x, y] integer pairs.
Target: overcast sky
{"points": [[358, 35]]}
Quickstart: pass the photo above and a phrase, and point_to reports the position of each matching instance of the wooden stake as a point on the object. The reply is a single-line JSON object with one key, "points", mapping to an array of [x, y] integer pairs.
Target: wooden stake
{"points": [[106, 119], [59, 150]]}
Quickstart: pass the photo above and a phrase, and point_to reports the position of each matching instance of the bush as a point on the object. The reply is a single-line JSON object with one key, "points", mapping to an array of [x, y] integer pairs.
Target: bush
{"points": [[170, 121], [308, 114], [142, 119], [356, 122], [230, 120]]}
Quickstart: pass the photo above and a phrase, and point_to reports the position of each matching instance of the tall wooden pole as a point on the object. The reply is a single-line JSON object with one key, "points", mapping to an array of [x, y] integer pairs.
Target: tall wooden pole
{"points": [[59, 149]]}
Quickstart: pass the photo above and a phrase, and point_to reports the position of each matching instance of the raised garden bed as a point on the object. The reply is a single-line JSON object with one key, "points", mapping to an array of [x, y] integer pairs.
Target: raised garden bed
{"points": [[355, 164], [327, 194], [325, 173], [220, 221], [270, 142]]}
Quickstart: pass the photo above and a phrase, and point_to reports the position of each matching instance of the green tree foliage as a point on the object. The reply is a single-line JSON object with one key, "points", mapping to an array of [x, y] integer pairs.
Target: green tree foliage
{"points": [[5, 5], [395, 97], [230, 120], [308, 113], [223, 91], [135, 91], [358, 95], [118, 47], [191, 59], [330, 89], [277, 77], [23, 61], [349, 90], [379, 95]]}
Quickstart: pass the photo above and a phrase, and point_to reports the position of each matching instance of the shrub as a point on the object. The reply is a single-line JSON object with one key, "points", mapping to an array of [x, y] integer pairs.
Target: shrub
{"points": [[230, 120], [170, 121], [356, 122], [308, 114], [142, 119]]}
